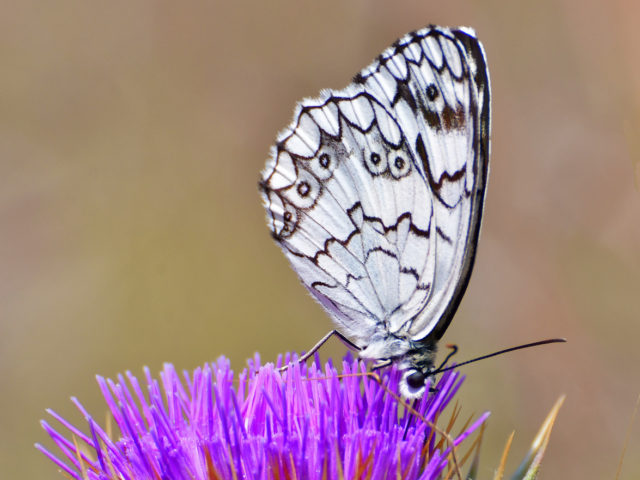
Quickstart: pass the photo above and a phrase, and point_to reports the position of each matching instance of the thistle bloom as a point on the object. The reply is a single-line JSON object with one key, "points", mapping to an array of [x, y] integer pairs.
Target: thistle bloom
{"points": [[311, 422]]}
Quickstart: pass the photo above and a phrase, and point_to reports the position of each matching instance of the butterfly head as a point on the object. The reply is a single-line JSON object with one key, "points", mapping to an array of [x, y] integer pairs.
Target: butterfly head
{"points": [[417, 368]]}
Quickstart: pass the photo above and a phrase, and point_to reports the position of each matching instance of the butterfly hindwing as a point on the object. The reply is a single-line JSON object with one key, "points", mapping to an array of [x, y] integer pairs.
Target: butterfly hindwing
{"points": [[374, 192]]}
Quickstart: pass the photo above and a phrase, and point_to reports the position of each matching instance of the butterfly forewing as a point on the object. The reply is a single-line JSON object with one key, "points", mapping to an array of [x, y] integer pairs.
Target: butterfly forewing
{"points": [[375, 191]]}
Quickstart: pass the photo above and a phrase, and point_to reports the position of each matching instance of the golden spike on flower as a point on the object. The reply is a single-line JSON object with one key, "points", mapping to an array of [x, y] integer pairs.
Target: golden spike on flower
{"points": [[475, 447], [108, 426], [626, 440], [503, 460], [83, 465], [475, 463], [528, 469]]}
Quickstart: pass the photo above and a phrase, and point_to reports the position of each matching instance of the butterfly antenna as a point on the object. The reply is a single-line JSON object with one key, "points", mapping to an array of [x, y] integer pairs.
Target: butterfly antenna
{"points": [[494, 354], [454, 350]]}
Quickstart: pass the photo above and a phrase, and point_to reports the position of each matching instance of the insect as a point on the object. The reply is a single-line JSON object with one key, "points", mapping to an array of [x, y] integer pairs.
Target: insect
{"points": [[375, 195]]}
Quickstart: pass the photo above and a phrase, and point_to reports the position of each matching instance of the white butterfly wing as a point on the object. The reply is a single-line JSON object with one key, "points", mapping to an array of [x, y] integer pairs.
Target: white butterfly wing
{"points": [[375, 191]]}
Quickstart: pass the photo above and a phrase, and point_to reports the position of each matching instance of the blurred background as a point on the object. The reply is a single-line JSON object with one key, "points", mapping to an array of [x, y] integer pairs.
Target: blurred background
{"points": [[132, 135]]}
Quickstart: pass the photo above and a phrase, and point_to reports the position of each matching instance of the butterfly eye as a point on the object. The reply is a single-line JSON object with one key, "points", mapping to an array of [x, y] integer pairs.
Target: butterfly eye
{"points": [[432, 92], [416, 380]]}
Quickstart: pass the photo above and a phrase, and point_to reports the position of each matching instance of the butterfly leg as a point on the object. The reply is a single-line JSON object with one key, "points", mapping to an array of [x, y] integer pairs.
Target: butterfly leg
{"points": [[381, 364], [322, 341]]}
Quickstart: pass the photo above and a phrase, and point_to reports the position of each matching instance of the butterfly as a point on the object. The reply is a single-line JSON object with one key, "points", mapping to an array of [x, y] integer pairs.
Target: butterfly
{"points": [[375, 195]]}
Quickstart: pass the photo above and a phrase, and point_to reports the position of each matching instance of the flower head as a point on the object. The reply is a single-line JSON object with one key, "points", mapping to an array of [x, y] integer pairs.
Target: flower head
{"points": [[310, 422]]}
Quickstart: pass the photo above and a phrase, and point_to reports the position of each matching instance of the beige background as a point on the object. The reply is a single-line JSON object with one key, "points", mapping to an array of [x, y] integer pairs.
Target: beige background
{"points": [[131, 139]]}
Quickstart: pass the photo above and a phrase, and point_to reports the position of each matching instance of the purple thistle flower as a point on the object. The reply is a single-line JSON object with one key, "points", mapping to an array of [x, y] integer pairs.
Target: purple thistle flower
{"points": [[307, 423]]}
